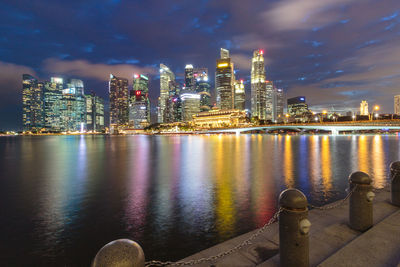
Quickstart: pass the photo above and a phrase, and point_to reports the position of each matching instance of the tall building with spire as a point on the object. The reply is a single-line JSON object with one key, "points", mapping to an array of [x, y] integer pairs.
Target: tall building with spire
{"points": [[119, 104], [166, 77], [224, 81], [258, 86]]}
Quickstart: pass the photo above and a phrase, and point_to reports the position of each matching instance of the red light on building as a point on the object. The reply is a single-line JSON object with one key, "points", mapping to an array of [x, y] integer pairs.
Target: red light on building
{"points": [[138, 93], [261, 52], [135, 76], [241, 80]]}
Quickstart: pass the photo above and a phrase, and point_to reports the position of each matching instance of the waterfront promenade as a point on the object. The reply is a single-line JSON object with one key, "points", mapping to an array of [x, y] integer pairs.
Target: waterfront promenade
{"points": [[332, 241], [362, 229]]}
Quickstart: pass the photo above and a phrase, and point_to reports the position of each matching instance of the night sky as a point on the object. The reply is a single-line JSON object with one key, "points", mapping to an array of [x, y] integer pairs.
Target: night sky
{"points": [[334, 52]]}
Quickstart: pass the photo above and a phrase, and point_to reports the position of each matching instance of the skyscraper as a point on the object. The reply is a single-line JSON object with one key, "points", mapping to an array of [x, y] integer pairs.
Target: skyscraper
{"points": [[278, 105], [73, 106], [119, 107], [139, 103], [189, 78], [224, 81], [397, 104], [32, 104], [269, 100], [258, 86], [166, 76], [190, 105], [240, 97], [364, 108], [52, 104], [94, 113], [203, 88]]}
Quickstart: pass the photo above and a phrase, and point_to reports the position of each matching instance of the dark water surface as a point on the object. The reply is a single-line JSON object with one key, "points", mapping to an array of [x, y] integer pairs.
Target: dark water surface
{"points": [[63, 197]]}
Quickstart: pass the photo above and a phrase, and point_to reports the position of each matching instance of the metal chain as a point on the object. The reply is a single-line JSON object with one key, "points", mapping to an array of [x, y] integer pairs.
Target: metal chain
{"points": [[338, 204], [220, 255]]}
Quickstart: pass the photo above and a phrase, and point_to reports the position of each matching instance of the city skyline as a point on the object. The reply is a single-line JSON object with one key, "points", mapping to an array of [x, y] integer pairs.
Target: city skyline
{"points": [[308, 52]]}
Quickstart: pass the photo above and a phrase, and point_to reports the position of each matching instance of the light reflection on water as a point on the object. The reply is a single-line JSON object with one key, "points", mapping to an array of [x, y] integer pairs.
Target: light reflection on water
{"points": [[63, 197]]}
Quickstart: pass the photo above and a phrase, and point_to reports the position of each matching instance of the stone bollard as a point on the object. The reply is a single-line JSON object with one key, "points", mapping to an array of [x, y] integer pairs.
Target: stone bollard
{"points": [[293, 229], [120, 253], [361, 211], [395, 182]]}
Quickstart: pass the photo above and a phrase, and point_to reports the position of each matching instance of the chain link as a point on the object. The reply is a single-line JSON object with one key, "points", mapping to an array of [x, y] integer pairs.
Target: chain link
{"points": [[220, 255], [335, 205]]}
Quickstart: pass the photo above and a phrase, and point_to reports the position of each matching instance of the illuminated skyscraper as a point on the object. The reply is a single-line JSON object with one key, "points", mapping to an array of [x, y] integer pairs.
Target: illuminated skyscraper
{"points": [[94, 113], [224, 81], [166, 76], [119, 106], [240, 97], [364, 108], [52, 104], [189, 78], [397, 104], [279, 105], [258, 86], [269, 100], [73, 106], [203, 88], [190, 105], [32, 104], [139, 103]]}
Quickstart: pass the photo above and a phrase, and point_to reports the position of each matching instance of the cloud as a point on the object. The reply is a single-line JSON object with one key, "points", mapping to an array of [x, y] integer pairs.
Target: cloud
{"points": [[11, 78], [100, 71], [303, 14]]}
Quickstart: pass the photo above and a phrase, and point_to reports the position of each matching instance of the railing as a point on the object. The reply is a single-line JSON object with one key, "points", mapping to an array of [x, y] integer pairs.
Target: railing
{"points": [[294, 226]]}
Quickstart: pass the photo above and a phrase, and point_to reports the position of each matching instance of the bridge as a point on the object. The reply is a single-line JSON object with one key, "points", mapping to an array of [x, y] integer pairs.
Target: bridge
{"points": [[333, 128]]}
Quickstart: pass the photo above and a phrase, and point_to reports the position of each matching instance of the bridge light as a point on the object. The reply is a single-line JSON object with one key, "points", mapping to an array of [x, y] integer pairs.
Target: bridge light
{"points": [[316, 118]]}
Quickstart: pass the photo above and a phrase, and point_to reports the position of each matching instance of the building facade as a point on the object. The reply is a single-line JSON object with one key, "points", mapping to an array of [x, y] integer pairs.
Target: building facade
{"points": [[297, 108], [224, 81], [190, 105], [397, 104], [189, 78], [139, 102], [279, 105], [94, 113], [119, 102], [240, 95], [32, 104], [166, 77], [258, 86], [364, 108], [73, 107], [220, 118], [52, 104]]}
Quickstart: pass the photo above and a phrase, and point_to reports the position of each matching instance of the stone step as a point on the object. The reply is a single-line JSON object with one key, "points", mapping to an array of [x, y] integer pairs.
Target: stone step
{"points": [[379, 246]]}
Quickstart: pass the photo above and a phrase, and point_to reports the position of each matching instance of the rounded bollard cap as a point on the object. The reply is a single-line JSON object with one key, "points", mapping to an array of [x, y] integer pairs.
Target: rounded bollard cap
{"points": [[360, 178], [120, 253], [292, 199], [395, 166]]}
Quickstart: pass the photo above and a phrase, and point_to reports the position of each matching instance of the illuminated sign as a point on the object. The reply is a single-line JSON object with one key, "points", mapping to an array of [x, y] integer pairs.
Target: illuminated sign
{"points": [[222, 65], [56, 80], [302, 98], [144, 77], [68, 91], [135, 76]]}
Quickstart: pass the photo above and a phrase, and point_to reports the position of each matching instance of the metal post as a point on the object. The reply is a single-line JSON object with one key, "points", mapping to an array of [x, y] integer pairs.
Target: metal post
{"points": [[120, 253], [395, 182], [293, 229], [360, 211]]}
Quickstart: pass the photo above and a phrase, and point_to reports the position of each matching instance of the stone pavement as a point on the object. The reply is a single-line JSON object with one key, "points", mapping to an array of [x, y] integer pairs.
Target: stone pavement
{"points": [[332, 242]]}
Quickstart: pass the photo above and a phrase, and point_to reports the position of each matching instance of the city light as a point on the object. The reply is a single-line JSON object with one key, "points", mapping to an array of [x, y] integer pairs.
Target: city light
{"points": [[222, 65]]}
